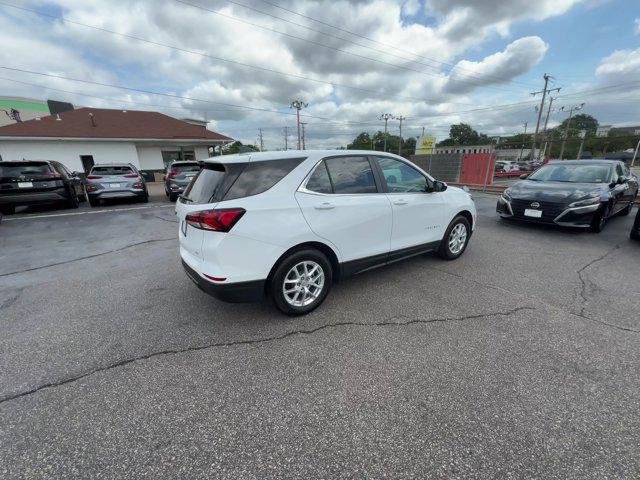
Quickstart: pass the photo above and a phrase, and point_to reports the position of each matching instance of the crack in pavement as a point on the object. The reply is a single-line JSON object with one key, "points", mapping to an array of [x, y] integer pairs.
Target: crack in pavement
{"points": [[528, 297], [121, 363], [88, 256], [165, 219], [583, 280]]}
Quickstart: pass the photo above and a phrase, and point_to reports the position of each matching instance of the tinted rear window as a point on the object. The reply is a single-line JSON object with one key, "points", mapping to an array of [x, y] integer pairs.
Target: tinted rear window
{"points": [[23, 169], [205, 185], [185, 167], [319, 180], [217, 182], [258, 177], [111, 170]]}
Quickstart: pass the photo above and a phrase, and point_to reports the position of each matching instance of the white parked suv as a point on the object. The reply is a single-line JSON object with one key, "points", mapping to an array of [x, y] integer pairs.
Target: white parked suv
{"points": [[287, 225]]}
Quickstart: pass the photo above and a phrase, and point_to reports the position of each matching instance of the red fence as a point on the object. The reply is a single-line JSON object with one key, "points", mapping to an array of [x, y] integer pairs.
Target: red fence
{"points": [[477, 168]]}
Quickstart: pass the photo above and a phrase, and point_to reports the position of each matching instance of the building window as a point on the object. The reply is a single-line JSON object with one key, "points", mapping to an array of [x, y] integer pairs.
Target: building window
{"points": [[169, 156]]}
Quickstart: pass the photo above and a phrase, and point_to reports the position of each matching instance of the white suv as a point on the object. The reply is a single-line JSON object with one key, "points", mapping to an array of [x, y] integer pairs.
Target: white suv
{"points": [[290, 224]]}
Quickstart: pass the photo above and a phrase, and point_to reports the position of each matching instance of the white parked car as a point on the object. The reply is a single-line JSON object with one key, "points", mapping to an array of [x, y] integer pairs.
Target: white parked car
{"points": [[287, 225]]}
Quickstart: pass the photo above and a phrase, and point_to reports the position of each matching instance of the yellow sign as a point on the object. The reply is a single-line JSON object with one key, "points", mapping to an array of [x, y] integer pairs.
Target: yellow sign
{"points": [[424, 145]]}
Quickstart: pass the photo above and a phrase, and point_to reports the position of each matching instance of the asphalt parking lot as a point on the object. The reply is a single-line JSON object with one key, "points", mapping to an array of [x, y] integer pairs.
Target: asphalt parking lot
{"points": [[519, 360]]}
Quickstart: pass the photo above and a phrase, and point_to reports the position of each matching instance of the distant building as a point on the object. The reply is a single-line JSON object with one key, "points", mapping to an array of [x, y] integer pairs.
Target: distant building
{"points": [[603, 130], [87, 136], [464, 149], [634, 130], [18, 109]]}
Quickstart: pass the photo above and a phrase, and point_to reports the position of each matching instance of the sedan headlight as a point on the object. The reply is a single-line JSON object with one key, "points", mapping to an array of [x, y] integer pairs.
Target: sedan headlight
{"points": [[586, 202]]}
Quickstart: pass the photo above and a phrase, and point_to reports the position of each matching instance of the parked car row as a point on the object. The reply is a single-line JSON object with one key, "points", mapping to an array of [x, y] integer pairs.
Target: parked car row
{"points": [[37, 183], [47, 182], [572, 193]]}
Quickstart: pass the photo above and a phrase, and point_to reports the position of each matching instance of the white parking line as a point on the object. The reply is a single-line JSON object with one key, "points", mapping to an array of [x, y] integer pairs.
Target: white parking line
{"points": [[33, 217]]}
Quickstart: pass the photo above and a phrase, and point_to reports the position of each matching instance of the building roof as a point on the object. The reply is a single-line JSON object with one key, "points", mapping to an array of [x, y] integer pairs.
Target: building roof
{"points": [[110, 124]]}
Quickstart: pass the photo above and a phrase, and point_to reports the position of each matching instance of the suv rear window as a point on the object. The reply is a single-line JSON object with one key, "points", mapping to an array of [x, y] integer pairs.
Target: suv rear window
{"points": [[23, 169], [217, 182], [184, 167], [111, 170]]}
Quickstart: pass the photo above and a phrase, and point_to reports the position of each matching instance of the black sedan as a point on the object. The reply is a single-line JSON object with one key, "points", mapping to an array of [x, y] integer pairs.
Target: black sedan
{"points": [[573, 193], [635, 230], [38, 182]]}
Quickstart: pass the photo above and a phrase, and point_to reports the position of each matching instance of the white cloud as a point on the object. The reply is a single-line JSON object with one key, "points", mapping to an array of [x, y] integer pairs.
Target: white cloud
{"points": [[415, 84], [411, 7], [519, 57]]}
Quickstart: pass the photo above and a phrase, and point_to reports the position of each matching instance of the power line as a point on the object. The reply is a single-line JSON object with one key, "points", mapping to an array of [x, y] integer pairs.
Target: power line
{"points": [[150, 92], [368, 47], [371, 39], [313, 42], [214, 57]]}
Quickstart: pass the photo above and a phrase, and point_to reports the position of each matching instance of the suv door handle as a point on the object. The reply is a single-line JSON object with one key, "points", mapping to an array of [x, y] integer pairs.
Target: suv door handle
{"points": [[400, 201], [325, 206]]}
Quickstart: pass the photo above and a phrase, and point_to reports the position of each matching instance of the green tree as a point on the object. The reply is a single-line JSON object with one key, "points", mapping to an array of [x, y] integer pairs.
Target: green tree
{"points": [[463, 134], [238, 147]]}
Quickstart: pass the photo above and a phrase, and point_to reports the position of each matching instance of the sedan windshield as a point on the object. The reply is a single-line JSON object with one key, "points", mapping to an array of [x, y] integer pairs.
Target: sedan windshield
{"points": [[557, 172]]}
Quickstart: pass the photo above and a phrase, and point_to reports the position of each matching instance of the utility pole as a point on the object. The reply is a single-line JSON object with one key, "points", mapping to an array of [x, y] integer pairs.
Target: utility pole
{"points": [[544, 130], [522, 146], [303, 145], [635, 154], [401, 118], [544, 96], [286, 138], [261, 140], [423, 131], [385, 117], [574, 108], [298, 105], [583, 134]]}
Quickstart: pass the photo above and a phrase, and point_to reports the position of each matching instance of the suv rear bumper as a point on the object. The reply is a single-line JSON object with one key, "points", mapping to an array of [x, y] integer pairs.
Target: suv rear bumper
{"points": [[35, 198], [107, 194], [239, 292]]}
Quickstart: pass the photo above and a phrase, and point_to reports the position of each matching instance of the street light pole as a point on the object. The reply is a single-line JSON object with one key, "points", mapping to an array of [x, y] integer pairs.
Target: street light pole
{"points": [[574, 108], [635, 154], [385, 117], [401, 118], [522, 146], [298, 105]]}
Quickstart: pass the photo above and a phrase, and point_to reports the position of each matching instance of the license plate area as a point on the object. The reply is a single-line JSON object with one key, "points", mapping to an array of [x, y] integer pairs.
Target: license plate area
{"points": [[115, 185], [25, 184], [530, 212]]}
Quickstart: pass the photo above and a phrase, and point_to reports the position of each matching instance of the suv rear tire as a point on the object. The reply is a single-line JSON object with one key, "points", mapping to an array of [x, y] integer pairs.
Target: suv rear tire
{"points": [[455, 239], [73, 201], [94, 202], [8, 209], [307, 275]]}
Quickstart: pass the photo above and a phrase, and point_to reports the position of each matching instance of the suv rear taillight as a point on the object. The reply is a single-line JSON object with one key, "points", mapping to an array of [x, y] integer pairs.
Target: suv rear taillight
{"points": [[219, 220], [172, 175], [132, 175], [94, 177]]}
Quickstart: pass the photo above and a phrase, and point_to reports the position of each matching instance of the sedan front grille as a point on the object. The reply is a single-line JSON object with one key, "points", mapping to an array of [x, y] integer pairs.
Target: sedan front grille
{"points": [[550, 210]]}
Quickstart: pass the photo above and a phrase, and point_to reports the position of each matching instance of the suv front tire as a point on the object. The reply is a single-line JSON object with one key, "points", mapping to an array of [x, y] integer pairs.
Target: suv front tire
{"points": [[455, 239], [301, 282]]}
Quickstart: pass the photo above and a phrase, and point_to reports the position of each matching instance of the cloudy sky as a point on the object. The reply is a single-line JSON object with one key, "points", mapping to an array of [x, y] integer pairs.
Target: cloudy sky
{"points": [[240, 63]]}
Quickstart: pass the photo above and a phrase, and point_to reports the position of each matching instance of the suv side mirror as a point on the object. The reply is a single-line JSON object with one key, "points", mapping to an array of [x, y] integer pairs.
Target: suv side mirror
{"points": [[622, 180], [439, 186]]}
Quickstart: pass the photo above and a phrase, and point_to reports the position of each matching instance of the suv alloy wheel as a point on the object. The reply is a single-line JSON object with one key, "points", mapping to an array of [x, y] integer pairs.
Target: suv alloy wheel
{"points": [[455, 239], [301, 282]]}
